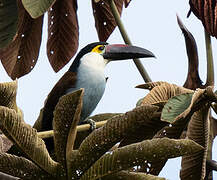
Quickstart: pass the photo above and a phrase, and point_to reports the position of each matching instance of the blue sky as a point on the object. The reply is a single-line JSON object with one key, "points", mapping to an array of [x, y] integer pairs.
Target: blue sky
{"points": [[150, 24]]}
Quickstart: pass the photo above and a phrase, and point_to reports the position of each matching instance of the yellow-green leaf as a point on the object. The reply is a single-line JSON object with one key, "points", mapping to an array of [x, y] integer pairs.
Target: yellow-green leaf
{"points": [[21, 167], [136, 154], [37, 8], [104, 138], [66, 118], [26, 139], [175, 106], [194, 165]]}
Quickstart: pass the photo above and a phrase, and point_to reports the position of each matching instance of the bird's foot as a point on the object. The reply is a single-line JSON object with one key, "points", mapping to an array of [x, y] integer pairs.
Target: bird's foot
{"points": [[91, 122]]}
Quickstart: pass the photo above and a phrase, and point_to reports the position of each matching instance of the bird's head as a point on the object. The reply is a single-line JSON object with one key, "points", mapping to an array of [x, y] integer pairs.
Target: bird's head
{"points": [[100, 53]]}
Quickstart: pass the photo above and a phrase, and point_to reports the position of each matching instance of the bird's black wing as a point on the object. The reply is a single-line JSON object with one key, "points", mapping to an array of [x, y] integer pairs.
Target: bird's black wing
{"points": [[67, 81]]}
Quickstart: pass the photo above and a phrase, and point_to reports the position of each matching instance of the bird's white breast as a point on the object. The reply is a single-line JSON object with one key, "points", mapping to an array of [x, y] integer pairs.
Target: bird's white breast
{"points": [[90, 76]]}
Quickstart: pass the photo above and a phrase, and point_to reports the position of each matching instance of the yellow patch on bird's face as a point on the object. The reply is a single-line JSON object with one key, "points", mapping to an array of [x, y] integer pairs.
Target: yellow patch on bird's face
{"points": [[99, 49]]}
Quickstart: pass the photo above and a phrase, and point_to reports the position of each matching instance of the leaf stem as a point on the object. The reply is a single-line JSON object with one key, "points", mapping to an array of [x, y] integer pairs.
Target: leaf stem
{"points": [[126, 38], [210, 66]]}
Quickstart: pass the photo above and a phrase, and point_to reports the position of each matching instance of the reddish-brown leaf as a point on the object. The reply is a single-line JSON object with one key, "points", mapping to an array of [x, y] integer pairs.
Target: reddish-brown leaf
{"points": [[193, 80], [21, 55], [205, 10], [104, 20], [127, 2], [62, 33]]}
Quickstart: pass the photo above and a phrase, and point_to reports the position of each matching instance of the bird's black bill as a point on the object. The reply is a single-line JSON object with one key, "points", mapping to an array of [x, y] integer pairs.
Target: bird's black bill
{"points": [[122, 51]]}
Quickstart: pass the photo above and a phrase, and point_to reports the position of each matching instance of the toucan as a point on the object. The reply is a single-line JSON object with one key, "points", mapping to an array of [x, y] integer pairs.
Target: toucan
{"points": [[87, 71]]}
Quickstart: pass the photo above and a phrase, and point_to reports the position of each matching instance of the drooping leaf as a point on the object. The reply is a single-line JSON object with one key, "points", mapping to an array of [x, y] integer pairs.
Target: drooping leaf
{"points": [[62, 41], [175, 106], [127, 175], [26, 139], [104, 138], [163, 92], [8, 21], [193, 80], [37, 8], [136, 154], [21, 167], [21, 55], [66, 118], [194, 165], [104, 19]]}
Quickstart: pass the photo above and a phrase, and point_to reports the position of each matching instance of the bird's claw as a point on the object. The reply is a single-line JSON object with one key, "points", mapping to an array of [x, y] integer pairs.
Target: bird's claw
{"points": [[91, 122]]}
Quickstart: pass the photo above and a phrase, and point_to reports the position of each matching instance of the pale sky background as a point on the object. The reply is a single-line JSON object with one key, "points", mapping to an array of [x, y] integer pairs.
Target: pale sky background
{"points": [[150, 24]]}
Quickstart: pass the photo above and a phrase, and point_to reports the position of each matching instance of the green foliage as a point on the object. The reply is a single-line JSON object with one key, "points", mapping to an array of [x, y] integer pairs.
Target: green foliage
{"points": [[95, 157], [175, 106]]}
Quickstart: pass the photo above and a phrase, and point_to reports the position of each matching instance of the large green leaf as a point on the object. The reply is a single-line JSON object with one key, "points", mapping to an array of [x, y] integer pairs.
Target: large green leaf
{"points": [[194, 165], [97, 118], [8, 21], [37, 8], [136, 154], [175, 106], [104, 138], [66, 118], [26, 139]]}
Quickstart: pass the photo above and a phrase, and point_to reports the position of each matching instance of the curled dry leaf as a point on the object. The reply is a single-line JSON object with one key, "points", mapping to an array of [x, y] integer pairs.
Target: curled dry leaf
{"points": [[162, 92], [193, 80], [136, 154], [26, 139], [175, 129], [150, 85], [21, 55], [63, 32]]}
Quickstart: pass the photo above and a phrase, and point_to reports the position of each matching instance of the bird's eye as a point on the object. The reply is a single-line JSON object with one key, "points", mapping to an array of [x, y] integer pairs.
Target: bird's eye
{"points": [[101, 48]]}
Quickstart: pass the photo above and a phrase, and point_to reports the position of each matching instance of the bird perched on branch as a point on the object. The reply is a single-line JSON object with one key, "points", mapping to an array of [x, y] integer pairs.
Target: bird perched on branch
{"points": [[87, 71]]}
